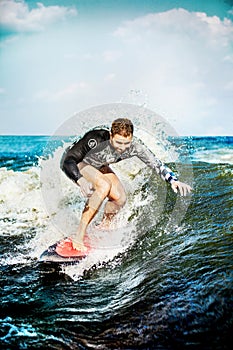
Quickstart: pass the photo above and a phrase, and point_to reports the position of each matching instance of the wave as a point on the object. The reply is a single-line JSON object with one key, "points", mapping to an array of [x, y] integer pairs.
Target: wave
{"points": [[215, 156], [209, 149], [161, 278], [36, 212], [41, 205]]}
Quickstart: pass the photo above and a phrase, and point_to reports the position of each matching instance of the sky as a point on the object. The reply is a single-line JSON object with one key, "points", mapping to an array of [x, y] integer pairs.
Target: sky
{"points": [[60, 57]]}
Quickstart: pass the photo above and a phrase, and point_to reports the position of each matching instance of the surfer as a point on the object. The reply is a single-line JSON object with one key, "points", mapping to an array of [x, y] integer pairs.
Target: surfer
{"points": [[87, 161]]}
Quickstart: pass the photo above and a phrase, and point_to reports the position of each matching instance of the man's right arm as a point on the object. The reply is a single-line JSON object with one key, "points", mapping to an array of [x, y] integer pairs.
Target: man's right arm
{"points": [[70, 168], [76, 153], [72, 156]]}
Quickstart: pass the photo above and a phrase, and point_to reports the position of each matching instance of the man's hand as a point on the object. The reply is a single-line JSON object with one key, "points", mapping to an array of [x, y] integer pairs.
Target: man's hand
{"points": [[183, 188], [86, 187]]}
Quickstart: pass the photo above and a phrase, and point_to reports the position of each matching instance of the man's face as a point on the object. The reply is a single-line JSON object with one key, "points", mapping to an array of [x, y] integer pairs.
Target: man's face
{"points": [[121, 143]]}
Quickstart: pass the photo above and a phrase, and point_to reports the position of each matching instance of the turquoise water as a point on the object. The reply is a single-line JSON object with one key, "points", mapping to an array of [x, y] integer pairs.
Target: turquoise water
{"points": [[160, 285]]}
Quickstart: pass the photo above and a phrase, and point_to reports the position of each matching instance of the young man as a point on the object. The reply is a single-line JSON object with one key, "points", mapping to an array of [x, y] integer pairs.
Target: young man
{"points": [[87, 164]]}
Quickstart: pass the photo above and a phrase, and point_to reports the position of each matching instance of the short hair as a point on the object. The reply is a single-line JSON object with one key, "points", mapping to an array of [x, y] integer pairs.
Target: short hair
{"points": [[122, 126]]}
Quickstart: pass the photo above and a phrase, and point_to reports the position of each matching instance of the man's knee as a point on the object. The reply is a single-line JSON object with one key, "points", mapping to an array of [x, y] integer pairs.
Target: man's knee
{"points": [[103, 186], [121, 200]]}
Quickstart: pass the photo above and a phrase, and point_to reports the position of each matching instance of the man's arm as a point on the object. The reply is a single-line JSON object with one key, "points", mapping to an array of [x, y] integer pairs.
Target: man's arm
{"points": [[71, 157], [162, 170], [165, 172], [183, 188], [70, 168], [76, 153]]}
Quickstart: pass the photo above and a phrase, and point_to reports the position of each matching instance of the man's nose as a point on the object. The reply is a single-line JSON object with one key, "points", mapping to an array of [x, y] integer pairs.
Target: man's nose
{"points": [[123, 147]]}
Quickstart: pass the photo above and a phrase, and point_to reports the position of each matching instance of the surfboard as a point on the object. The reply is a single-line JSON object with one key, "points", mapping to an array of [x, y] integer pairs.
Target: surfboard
{"points": [[63, 252]]}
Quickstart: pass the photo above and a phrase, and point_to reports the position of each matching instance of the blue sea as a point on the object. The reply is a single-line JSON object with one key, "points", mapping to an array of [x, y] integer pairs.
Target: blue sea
{"points": [[160, 278]]}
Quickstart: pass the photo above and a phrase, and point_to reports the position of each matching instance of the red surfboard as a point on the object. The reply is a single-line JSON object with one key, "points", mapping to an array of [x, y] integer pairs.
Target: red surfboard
{"points": [[63, 251]]}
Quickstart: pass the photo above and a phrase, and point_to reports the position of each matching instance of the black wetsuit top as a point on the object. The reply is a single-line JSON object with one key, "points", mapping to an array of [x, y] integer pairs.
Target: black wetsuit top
{"points": [[94, 148]]}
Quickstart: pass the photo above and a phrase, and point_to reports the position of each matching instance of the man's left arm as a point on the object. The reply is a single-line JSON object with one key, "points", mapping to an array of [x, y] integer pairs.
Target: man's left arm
{"points": [[162, 170], [167, 175], [183, 188]]}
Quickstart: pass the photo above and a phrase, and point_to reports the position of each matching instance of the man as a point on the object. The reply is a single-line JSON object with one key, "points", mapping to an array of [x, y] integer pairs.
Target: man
{"points": [[87, 164]]}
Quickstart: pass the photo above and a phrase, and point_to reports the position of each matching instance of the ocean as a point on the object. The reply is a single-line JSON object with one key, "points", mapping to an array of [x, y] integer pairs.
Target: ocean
{"points": [[161, 278]]}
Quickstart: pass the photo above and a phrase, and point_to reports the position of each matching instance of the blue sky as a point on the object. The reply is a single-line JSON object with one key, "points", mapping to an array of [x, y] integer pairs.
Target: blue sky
{"points": [[61, 57]]}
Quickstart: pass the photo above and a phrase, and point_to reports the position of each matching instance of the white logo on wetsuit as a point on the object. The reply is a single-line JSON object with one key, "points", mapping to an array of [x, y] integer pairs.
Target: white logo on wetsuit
{"points": [[92, 143]]}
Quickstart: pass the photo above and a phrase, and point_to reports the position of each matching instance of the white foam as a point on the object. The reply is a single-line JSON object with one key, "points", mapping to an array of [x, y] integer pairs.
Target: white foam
{"points": [[21, 203], [221, 155], [43, 204], [107, 245], [24, 330]]}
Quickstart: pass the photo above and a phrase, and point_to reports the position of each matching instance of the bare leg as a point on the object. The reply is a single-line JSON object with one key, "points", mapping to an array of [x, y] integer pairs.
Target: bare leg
{"points": [[105, 185], [110, 211], [90, 210], [117, 197]]}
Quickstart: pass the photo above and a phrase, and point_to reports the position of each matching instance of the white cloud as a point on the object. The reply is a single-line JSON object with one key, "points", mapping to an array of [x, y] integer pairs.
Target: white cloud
{"points": [[110, 77], [228, 58], [111, 55], [67, 92], [177, 23], [15, 16], [177, 63], [183, 61], [176, 20], [229, 86]]}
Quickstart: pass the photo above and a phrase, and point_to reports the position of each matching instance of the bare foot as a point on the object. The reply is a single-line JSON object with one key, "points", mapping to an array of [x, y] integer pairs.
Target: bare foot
{"points": [[79, 246]]}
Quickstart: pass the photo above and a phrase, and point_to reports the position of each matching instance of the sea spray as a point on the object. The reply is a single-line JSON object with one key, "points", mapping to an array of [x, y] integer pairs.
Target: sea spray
{"points": [[170, 288]]}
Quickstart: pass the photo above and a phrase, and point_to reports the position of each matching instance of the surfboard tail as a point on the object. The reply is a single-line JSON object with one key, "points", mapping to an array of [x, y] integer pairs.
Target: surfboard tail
{"points": [[63, 251]]}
